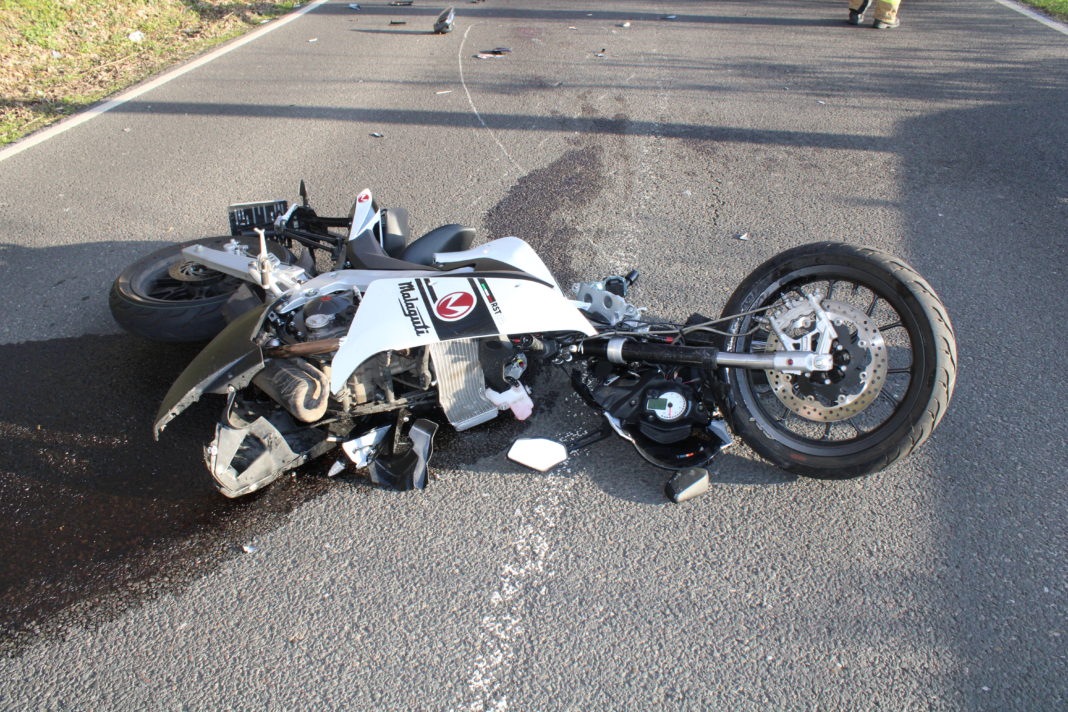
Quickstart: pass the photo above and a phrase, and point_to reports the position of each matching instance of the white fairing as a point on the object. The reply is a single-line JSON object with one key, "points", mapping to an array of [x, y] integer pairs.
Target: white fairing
{"points": [[508, 250], [404, 312], [364, 216]]}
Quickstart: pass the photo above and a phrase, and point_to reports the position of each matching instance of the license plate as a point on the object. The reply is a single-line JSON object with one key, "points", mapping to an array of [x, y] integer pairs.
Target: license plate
{"points": [[246, 217]]}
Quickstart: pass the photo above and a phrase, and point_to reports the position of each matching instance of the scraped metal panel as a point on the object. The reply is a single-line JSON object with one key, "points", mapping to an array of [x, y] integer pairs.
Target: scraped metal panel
{"points": [[461, 385]]}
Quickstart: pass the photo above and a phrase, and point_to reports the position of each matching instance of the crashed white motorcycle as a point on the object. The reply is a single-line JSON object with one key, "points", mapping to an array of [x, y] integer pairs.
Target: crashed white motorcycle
{"points": [[829, 360]]}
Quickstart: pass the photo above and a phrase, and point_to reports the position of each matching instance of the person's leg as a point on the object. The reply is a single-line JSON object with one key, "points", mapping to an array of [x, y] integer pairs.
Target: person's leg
{"points": [[886, 14], [856, 11]]}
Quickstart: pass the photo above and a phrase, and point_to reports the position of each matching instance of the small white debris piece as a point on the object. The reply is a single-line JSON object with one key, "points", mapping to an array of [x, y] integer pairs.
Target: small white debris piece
{"points": [[249, 548], [354, 6], [314, 39], [687, 192], [375, 134], [820, 102], [126, 130], [56, 54], [137, 36], [743, 236], [625, 24], [336, 469], [669, 17], [444, 91]]}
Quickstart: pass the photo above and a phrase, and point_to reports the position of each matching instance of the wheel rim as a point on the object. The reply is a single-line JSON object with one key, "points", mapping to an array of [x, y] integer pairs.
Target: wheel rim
{"points": [[185, 281], [810, 416]]}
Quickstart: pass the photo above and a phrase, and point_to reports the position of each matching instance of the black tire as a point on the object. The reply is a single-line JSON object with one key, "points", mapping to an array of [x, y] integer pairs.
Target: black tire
{"points": [[911, 399], [147, 300]]}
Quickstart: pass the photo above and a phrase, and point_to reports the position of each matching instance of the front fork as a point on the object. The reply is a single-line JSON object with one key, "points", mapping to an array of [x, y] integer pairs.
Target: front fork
{"points": [[623, 350]]}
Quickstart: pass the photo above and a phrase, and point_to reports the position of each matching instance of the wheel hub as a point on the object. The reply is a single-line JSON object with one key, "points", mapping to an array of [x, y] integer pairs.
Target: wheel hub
{"points": [[860, 366]]}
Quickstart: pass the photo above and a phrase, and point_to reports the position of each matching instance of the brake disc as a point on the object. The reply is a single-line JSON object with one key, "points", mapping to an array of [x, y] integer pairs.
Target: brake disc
{"points": [[861, 364]]}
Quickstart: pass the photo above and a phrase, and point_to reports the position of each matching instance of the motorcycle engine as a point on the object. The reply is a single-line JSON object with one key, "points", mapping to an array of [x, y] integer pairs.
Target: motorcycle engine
{"points": [[663, 415]]}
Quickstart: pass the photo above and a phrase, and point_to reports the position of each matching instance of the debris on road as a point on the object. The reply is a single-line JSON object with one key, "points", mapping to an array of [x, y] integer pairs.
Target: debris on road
{"points": [[669, 17], [398, 22], [375, 134], [401, 3], [624, 24], [444, 22], [314, 39], [354, 6], [742, 236], [249, 548], [443, 91]]}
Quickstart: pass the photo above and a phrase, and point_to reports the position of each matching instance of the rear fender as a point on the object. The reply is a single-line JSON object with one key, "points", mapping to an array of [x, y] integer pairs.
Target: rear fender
{"points": [[231, 359]]}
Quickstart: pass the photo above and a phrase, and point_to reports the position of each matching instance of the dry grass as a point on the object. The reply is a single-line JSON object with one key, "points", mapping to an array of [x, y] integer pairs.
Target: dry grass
{"points": [[57, 56]]}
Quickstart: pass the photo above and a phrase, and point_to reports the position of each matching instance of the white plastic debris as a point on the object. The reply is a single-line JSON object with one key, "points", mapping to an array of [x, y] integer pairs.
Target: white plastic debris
{"points": [[443, 91], [354, 6], [669, 17], [624, 24], [314, 39], [137, 36], [249, 548], [375, 134], [743, 236], [820, 102]]}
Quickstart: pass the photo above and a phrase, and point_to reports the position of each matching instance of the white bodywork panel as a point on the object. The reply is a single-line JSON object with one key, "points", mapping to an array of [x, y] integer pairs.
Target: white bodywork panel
{"points": [[404, 312]]}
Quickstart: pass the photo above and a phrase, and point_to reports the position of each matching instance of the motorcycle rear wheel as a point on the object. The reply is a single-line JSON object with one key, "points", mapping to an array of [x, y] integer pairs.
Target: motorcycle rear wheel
{"points": [[859, 418], [165, 297]]}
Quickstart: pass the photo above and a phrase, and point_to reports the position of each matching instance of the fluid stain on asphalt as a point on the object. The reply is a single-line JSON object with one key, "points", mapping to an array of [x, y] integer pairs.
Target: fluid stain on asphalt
{"points": [[540, 208], [93, 512]]}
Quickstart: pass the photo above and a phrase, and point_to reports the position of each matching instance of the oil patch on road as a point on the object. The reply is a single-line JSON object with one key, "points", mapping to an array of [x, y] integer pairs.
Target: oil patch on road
{"points": [[94, 514]]}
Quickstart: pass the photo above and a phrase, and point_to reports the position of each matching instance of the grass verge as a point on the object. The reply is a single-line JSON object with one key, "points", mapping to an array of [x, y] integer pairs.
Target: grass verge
{"points": [[59, 56], [1054, 8]]}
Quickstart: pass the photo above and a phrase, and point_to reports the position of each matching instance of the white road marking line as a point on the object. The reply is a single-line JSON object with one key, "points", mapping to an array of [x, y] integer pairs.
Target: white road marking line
{"points": [[460, 62], [1036, 16], [92, 112]]}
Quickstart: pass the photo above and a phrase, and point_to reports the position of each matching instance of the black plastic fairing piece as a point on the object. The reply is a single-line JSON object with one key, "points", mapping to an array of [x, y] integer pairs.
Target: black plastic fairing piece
{"points": [[396, 232], [230, 359], [407, 470]]}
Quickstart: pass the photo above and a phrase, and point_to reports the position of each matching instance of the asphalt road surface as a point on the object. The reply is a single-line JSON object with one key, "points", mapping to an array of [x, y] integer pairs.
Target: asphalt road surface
{"points": [[126, 582]]}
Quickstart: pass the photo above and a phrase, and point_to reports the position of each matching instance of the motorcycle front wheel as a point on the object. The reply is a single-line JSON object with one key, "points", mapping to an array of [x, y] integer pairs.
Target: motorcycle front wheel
{"points": [[894, 352], [167, 297]]}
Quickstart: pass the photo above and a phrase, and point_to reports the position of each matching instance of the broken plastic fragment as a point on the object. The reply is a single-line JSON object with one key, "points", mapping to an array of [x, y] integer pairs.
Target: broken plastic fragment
{"points": [[375, 134], [137, 36], [444, 91], [249, 549], [314, 39], [669, 17], [354, 6], [742, 236], [624, 24], [444, 22]]}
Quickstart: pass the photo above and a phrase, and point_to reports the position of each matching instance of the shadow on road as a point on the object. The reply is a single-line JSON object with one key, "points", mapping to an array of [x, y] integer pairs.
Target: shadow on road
{"points": [[91, 509]]}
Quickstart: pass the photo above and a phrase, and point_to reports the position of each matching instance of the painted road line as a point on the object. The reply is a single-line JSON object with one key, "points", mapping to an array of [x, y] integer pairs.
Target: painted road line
{"points": [[1036, 16], [93, 111]]}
